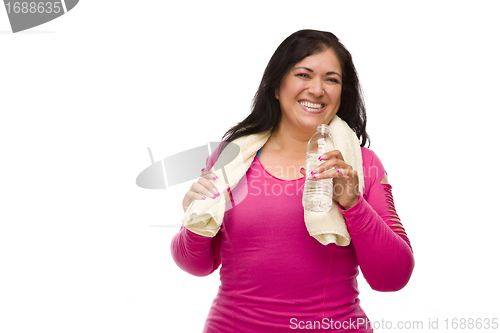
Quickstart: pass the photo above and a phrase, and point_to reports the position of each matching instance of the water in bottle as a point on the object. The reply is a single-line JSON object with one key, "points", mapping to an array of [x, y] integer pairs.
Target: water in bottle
{"points": [[318, 193]]}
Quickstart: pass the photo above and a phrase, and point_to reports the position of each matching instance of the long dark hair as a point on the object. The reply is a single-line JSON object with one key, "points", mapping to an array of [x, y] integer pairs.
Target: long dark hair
{"points": [[266, 112]]}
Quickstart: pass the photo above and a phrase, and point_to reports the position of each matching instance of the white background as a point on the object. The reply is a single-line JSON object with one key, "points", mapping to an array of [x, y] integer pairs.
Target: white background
{"points": [[83, 249]]}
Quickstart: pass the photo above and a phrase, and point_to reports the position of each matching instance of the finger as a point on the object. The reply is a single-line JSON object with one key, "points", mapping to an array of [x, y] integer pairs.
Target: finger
{"points": [[333, 164], [206, 187], [209, 175], [302, 171], [331, 154], [325, 173], [212, 176], [192, 195], [347, 172], [202, 192]]}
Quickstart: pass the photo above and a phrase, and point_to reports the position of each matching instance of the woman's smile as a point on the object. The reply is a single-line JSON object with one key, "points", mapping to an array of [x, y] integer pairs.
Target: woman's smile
{"points": [[312, 106]]}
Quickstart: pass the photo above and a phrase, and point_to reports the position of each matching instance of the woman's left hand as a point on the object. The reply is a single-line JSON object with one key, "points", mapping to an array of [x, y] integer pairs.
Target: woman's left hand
{"points": [[345, 178]]}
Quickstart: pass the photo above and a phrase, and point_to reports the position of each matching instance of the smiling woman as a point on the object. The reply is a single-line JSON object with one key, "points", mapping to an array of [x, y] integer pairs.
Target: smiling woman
{"points": [[279, 270], [313, 86]]}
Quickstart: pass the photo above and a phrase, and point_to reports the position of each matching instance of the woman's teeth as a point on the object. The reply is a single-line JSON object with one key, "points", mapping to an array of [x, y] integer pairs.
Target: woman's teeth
{"points": [[311, 105]]}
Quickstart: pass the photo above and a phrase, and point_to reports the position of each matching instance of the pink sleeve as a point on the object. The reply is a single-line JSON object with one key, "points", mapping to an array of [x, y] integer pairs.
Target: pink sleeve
{"points": [[382, 247], [195, 254]]}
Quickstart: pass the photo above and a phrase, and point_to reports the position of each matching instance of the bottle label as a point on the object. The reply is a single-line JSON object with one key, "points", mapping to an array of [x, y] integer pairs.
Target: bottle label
{"points": [[321, 145]]}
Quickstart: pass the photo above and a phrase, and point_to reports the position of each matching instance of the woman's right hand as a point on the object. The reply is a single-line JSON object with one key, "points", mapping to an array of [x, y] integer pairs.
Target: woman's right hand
{"points": [[203, 189]]}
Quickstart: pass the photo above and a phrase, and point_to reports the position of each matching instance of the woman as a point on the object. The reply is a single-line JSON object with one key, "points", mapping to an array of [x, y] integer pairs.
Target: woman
{"points": [[274, 276]]}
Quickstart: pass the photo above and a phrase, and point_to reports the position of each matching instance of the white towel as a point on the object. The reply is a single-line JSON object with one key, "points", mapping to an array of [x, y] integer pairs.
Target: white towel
{"points": [[204, 217]]}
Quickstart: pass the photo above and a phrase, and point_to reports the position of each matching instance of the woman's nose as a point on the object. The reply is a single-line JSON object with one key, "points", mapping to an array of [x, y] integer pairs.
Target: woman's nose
{"points": [[316, 87]]}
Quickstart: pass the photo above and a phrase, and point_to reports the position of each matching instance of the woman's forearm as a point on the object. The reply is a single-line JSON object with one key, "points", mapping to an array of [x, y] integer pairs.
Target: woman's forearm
{"points": [[193, 253], [383, 251]]}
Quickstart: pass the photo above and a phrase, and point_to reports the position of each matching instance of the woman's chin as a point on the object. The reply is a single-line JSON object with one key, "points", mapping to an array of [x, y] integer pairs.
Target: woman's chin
{"points": [[313, 124]]}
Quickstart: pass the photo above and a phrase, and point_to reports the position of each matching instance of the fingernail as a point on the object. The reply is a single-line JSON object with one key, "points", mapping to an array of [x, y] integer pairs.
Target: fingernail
{"points": [[301, 169], [211, 195], [215, 177], [203, 197], [228, 189], [337, 170], [312, 174], [320, 158]]}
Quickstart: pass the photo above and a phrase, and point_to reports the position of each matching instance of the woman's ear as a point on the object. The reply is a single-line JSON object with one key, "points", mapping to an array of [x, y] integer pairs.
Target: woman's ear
{"points": [[277, 93]]}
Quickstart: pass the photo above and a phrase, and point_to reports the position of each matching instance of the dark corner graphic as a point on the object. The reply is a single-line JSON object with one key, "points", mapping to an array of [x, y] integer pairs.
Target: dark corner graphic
{"points": [[184, 166], [24, 15]]}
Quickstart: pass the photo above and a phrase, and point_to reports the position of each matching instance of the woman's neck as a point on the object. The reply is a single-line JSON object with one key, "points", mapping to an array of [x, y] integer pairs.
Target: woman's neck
{"points": [[288, 142]]}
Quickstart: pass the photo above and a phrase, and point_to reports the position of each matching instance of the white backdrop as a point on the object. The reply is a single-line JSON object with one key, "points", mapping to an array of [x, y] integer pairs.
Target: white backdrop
{"points": [[83, 249]]}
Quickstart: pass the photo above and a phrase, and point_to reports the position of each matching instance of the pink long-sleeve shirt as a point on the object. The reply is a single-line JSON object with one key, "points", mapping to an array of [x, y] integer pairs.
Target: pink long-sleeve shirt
{"points": [[275, 277]]}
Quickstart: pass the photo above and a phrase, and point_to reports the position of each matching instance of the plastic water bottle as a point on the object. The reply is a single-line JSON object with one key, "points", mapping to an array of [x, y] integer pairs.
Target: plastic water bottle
{"points": [[317, 196]]}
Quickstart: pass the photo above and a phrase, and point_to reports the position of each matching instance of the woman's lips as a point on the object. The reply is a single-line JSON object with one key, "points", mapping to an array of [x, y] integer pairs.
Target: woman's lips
{"points": [[312, 107]]}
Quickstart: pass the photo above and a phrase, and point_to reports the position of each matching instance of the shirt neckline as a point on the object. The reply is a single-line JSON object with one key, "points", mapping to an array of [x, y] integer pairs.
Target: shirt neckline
{"points": [[270, 175]]}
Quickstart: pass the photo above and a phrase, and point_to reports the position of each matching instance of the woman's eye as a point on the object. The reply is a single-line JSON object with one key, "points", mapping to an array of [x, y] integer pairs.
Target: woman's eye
{"points": [[303, 75], [334, 80]]}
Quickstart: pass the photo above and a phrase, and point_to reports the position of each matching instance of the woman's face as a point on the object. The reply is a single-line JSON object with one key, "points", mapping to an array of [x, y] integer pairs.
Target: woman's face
{"points": [[309, 94]]}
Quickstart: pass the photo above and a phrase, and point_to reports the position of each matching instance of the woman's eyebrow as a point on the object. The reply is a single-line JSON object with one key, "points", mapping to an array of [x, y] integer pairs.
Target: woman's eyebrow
{"points": [[310, 70]]}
